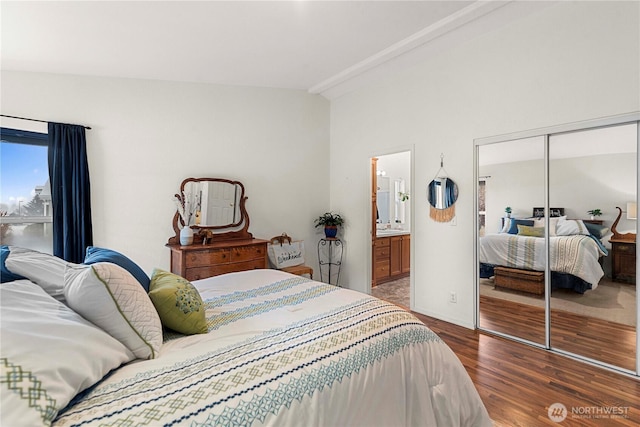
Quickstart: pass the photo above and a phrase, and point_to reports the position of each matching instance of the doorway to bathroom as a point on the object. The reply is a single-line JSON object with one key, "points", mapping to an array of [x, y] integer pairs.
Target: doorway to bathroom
{"points": [[391, 227]]}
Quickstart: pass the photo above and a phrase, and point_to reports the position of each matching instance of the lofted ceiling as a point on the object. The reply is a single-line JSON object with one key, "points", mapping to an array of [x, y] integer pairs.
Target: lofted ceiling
{"points": [[322, 47]]}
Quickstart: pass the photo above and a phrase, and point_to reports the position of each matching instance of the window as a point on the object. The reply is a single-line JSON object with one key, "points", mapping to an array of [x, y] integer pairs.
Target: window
{"points": [[25, 193], [482, 213]]}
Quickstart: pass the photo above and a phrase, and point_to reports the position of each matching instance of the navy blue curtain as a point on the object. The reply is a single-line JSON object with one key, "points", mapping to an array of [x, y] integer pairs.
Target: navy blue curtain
{"points": [[70, 191], [449, 193], [433, 193]]}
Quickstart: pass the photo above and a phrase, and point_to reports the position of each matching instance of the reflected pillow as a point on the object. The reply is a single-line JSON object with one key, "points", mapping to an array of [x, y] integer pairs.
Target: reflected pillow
{"points": [[553, 223], [178, 303], [95, 254], [112, 299], [596, 230], [570, 227], [513, 228], [505, 225], [525, 230]]}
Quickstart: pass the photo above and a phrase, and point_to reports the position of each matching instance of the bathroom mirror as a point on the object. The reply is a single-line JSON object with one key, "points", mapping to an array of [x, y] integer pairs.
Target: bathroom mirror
{"points": [[214, 208], [442, 193]]}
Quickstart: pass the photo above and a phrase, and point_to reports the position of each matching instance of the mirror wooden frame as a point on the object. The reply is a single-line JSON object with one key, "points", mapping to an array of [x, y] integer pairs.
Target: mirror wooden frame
{"points": [[209, 233]]}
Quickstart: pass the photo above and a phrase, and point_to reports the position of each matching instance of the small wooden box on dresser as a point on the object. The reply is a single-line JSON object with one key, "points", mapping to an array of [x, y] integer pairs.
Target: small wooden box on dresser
{"points": [[199, 261]]}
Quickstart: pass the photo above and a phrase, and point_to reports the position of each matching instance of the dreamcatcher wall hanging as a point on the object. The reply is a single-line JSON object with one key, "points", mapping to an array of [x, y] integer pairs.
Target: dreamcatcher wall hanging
{"points": [[442, 194]]}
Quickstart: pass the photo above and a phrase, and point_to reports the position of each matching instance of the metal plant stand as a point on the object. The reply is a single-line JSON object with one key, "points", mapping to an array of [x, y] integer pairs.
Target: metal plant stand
{"points": [[330, 259]]}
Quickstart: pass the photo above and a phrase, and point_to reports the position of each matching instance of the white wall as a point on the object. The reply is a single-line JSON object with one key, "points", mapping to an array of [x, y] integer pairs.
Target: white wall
{"points": [[571, 61], [147, 136]]}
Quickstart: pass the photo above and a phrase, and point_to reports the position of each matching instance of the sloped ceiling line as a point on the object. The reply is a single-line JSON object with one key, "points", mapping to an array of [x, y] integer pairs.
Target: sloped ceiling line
{"points": [[422, 37]]}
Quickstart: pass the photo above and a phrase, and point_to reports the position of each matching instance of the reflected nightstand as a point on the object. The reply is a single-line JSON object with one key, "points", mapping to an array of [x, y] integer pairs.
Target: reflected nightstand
{"points": [[623, 260]]}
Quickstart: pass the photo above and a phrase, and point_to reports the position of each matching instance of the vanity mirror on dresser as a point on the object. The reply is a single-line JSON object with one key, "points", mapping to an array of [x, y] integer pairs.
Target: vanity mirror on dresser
{"points": [[215, 209]]}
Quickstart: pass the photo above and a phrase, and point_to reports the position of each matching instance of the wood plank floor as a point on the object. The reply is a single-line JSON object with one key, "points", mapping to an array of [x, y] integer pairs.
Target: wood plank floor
{"points": [[598, 339], [518, 383]]}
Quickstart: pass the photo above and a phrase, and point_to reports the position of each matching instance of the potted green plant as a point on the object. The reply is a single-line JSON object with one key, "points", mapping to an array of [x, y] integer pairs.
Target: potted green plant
{"points": [[330, 221], [507, 211], [594, 213]]}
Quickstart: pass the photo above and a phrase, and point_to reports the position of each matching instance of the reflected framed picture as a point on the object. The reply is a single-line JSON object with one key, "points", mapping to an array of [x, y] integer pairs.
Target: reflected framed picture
{"points": [[553, 212]]}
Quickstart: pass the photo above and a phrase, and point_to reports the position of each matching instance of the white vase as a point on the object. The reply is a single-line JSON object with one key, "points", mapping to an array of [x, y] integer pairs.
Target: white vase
{"points": [[186, 236]]}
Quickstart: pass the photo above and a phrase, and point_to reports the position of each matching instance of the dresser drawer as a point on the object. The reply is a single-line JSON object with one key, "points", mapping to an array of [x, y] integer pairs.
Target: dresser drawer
{"points": [[627, 249], [383, 252], [382, 269], [207, 257], [215, 270], [202, 261], [382, 241], [246, 253]]}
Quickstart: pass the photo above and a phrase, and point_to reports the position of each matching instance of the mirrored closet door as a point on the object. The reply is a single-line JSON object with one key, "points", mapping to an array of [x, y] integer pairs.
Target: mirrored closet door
{"points": [[593, 300], [511, 293], [556, 239]]}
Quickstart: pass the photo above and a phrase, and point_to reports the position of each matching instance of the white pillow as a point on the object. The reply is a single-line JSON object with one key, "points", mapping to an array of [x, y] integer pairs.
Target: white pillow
{"points": [[506, 226], [110, 297], [569, 227], [49, 354], [553, 224], [45, 270]]}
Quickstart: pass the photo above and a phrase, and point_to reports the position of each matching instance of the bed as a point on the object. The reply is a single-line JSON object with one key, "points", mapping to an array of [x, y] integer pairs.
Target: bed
{"points": [[277, 349], [575, 250]]}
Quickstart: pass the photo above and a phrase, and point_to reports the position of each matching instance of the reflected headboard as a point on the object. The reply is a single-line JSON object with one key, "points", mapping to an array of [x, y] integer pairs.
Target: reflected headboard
{"points": [[553, 212]]}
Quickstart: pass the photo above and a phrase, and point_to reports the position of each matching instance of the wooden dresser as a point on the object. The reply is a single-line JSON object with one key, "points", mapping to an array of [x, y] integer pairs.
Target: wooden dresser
{"points": [[199, 261]]}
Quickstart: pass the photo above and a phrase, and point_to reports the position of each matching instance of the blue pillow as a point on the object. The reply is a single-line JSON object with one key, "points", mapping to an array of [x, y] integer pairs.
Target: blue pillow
{"points": [[513, 229], [6, 275], [597, 230], [95, 254]]}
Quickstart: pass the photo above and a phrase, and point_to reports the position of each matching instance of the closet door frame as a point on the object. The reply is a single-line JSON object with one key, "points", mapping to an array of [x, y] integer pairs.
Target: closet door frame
{"points": [[547, 133]]}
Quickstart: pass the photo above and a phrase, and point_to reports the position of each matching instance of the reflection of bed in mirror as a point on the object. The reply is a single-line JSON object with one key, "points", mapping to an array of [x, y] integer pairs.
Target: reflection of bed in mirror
{"points": [[575, 250]]}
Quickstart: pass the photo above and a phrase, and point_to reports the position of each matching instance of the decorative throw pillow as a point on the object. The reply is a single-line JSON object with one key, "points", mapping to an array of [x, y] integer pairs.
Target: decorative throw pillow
{"points": [[5, 274], [49, 354], [111, 298], [569, 227], [513, 228], [95, 254], [45, 270], [553, 223], [596, 230], [525, 230], [178, 303]]}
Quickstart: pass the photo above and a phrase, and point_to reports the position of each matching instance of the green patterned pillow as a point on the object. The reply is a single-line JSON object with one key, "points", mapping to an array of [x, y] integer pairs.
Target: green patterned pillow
{"points": [[525, 230], [178, 303]]}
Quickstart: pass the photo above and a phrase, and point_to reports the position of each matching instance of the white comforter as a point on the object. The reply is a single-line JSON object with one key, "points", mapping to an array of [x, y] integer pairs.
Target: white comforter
{"points": [[576, 254], [284, 350]]}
